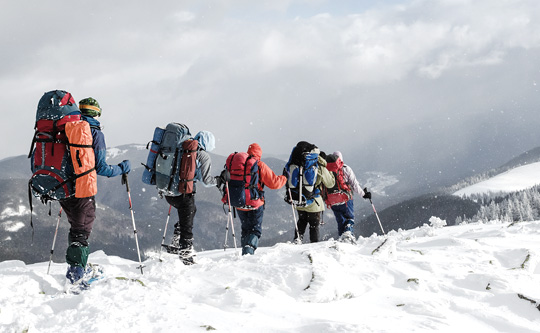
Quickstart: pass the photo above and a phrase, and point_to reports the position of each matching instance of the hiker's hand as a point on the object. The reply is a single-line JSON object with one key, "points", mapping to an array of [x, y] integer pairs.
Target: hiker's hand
{"points": [[125, 165], [367, 195], [285, 173], [219, 181], [225, 176]]}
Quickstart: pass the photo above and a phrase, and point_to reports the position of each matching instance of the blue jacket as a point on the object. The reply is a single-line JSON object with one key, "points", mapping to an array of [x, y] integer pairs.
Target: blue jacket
{"points": [[100, 150]]}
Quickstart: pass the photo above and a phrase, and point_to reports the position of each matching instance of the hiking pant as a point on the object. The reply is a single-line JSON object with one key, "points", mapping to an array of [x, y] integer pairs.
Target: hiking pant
{"points": [[313, 219], [81, 213], [185, 205], [344, 214], [251, 221]]}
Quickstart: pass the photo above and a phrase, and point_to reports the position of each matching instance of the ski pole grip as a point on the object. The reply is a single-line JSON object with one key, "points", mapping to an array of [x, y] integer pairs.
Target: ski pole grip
{"points": [[125, 181]]}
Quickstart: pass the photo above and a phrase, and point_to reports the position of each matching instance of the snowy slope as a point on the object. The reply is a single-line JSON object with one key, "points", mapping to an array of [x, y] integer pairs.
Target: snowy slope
{"points": [[517, 179], [463, 278]]}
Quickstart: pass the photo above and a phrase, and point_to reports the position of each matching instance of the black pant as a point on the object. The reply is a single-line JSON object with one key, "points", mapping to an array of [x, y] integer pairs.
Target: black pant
{"points": [[313, 219], [185, 205], [81, 213]]}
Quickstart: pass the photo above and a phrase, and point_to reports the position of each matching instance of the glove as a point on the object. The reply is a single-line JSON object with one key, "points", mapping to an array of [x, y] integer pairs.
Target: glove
{"points": [[225, 176], [125, 165], [219, 181], [285, 173], [367, 195]]}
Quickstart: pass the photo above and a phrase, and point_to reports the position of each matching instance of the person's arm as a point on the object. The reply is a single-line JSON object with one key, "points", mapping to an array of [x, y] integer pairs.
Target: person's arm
{"points": [[100, 151], [203, 171], [269, 178], [327, 177], [350, 179]]}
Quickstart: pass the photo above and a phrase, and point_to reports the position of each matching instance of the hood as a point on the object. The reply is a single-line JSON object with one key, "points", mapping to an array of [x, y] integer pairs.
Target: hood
{"points": [[206, 139], [255, 150], [322, 161], [91, 120], [338, 154]]}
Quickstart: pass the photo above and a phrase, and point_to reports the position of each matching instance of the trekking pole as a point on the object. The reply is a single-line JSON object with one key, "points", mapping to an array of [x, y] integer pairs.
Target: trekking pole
{"points": [[293, 206], [164, 232], [226, 232], [231, 219], [377, 215], [125, 180], [54, 239]]}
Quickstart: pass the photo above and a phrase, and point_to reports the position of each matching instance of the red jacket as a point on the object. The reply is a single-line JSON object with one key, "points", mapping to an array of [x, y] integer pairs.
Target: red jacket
{"points": [[266, 175]]}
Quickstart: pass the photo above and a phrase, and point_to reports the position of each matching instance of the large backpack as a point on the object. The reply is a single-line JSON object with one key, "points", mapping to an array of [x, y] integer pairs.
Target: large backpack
{"points": [[62, 158], [302, 168], [243, 187], [341, 192], [149, 172], [174, 155]]}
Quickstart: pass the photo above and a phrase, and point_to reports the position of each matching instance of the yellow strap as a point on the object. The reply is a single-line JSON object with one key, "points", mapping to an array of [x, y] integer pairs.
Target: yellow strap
{"points": [[89, 107]]}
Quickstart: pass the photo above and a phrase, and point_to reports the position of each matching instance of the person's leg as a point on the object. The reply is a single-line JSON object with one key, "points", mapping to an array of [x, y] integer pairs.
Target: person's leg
{"points": [[340, 218], [183, 229], [81, 213], [314, 219], [251, 229], [348, 215], [302, 225]]}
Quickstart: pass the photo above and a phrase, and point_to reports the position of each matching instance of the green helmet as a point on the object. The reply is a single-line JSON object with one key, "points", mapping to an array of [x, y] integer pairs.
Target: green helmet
{"points": [[90, 107]]}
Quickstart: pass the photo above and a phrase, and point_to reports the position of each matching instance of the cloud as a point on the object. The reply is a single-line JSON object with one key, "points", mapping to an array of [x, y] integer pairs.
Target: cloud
{"points": [[274, 72]]}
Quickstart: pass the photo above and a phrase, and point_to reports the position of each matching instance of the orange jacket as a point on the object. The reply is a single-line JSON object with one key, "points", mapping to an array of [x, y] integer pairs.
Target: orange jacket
{"points": [[267, 176]]}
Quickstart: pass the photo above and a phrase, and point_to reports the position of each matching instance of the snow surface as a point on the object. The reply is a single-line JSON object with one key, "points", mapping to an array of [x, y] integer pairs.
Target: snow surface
{"points": [[463, 278], [517, 179]]}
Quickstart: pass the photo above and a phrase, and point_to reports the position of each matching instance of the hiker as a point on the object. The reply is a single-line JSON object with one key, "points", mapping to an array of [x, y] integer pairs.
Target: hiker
{"points": [[246, 192], [340, 197], [182, 241], [80, 212], [307, 169]]}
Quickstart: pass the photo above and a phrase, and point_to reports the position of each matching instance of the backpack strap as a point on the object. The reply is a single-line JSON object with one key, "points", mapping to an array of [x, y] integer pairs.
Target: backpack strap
{"points": [[173, 173], [31, 207]]}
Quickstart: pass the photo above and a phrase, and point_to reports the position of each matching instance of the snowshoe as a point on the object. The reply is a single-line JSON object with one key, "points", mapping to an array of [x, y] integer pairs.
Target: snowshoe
{"points": [[187, 260], [80, 279], [347, 237], [93, 273], [171, 249]]}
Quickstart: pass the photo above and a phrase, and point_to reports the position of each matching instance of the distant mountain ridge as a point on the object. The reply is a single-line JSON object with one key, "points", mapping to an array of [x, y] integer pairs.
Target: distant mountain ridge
{"points": [[113, 228]]}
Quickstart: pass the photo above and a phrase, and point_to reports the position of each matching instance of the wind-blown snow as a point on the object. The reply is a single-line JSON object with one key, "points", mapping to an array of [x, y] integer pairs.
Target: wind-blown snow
{"points": [[464, 278], [10, 212], [517, 179], [113, 152]]}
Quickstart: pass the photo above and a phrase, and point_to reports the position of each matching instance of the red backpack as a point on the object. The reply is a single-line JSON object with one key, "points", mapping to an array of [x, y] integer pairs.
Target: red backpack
{"points": [[188, 166], [341, 192], [244, 191], [62, 158]]}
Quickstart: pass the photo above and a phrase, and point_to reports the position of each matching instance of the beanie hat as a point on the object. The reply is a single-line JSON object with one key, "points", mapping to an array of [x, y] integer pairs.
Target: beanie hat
{"points": [[338, 154], [90, 107]]}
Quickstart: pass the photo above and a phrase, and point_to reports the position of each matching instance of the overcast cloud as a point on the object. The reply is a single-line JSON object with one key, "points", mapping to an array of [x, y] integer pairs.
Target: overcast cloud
{"points": [[382, 74]]}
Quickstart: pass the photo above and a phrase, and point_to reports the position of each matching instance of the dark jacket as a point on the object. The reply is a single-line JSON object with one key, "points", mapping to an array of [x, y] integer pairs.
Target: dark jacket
{"points": [[100, 150]]}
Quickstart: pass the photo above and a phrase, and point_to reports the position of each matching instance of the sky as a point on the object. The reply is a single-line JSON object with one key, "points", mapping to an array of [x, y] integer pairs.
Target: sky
{"points": [[478, 277], [378, 80]]}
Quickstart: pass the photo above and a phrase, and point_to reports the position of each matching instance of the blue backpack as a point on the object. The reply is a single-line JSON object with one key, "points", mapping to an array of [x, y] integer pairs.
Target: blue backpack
{"points": [[302, 168], [164, 159]]}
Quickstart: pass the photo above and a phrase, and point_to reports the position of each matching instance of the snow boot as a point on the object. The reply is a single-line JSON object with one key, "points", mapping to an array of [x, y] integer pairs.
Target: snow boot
{"points": [[174, 248], [185, 252], [348, 235], [250, 244], [76, 283]]}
